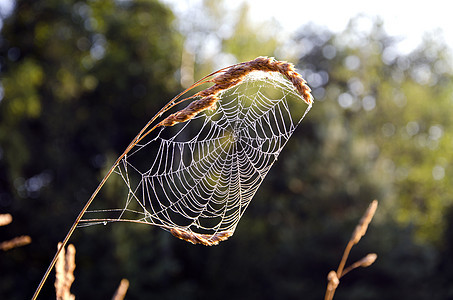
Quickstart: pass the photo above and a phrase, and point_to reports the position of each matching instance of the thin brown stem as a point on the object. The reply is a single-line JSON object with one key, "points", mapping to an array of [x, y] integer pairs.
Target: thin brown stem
{"points": [[344, 258], [328, 295], [73, 227], [364, 262], [339, 272], [134, 142], [88, 203], [333, 279]]}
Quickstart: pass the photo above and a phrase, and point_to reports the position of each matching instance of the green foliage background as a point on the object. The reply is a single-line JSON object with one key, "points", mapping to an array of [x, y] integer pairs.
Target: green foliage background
{"points": [[78, 80]]}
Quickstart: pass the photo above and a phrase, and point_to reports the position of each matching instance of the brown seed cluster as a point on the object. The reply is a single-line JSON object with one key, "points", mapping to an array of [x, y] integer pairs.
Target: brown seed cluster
{"points": [[120, 293], [64, 273], [233, 76], [191, 110], [204, 239], [362, 227], [15, 242]]}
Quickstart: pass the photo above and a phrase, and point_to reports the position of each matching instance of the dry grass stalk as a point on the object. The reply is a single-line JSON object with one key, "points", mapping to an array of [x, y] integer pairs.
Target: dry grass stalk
{"points": [[232, 76], [333, 278], [5, 219], [122, 290], [19, 241], [15, 242], [64, 276]]}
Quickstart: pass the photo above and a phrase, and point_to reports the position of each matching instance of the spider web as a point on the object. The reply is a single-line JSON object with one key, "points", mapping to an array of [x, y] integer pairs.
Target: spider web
{"points": [[200, 176]]}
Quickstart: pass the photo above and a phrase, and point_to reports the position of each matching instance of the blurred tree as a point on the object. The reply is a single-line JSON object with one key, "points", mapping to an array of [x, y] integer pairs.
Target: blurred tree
{"points": [[221, 33], [394, 109], [247, 37], [381, 131]]}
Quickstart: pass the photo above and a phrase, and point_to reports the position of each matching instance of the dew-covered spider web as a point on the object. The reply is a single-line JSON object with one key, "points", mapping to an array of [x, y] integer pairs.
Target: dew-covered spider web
{"points": [[198, 177]]}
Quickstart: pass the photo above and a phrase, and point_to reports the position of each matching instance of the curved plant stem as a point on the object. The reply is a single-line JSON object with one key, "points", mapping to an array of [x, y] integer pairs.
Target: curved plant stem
{"points": [[134, 142], [344, 259]]}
